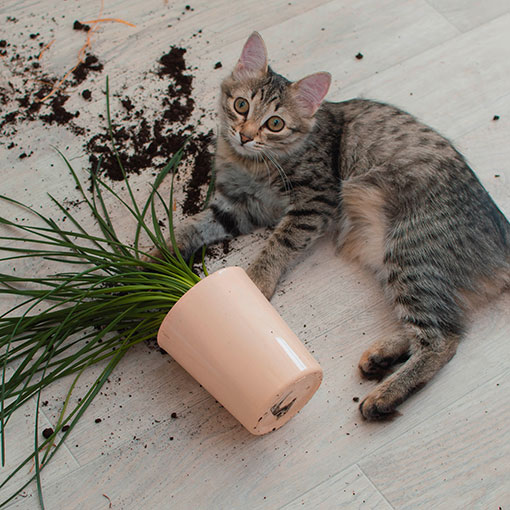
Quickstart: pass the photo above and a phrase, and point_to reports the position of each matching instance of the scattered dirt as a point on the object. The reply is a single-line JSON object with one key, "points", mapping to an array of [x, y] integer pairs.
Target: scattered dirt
{"points": [[91, 63], [22, 102], [47, 432], [359, 56], [225, 245], [147, 142], [198, 147], [58, 114], [145, 137], [80, 26]]}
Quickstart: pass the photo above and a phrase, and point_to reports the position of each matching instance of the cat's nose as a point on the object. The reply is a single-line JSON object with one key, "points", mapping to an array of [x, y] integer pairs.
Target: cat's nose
{"points": [[245, 138]]}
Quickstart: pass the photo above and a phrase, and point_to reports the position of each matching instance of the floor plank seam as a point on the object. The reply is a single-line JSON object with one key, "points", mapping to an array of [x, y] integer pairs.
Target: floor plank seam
{"points": [[461, 134], [121, 444], [239, 42], [329, 477], [500, 15], [439, 411], [346, 319], [64, 444], [395, 65], [431, 48], [375, 487], [434, 8]]}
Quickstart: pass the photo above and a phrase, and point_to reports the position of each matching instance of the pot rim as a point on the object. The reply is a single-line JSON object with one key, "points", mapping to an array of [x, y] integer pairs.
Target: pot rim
{"points": [[209, 278]]}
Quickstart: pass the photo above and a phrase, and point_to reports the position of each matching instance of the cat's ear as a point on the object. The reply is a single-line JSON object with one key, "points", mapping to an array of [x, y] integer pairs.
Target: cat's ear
{"points": [[311, 90], [253, 60]]}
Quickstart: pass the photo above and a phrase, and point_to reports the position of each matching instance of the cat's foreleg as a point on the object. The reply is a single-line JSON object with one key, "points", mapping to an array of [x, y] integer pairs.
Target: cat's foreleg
{"points": [[293, 235], [227, 216], [191, 234], [210, 226]]}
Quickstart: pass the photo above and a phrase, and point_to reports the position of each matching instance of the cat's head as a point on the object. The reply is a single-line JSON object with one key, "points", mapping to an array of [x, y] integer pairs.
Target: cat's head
{"points": [[263, 112]]}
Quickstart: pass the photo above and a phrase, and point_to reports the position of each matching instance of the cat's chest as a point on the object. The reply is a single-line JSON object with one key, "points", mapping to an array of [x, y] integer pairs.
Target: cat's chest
{"points": [[240, 186]]}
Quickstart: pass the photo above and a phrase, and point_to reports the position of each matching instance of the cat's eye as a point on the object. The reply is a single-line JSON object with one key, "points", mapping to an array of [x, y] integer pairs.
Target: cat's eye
{"points": [[241, 106], [275, 124]]}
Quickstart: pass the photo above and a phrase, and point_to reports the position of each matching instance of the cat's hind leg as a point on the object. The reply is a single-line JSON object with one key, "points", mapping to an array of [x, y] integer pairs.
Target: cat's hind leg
{"points": [[432, 321], [422, 365]]}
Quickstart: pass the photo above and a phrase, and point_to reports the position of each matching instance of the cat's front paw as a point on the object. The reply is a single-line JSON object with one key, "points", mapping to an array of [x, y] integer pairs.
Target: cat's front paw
{"points": [[151, 254], [262, 279], [185, 239]]}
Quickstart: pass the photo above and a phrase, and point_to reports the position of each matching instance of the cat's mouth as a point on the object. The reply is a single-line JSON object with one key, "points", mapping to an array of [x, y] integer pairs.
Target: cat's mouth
{"points": [[248, 149]]}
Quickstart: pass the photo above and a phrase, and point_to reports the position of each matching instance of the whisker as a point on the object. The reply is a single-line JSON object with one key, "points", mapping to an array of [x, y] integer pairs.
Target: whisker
{"points": [[267, 168], [285, 179]]}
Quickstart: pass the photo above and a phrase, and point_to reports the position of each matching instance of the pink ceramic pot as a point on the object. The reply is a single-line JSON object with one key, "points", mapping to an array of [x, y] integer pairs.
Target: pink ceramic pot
{"points": [[228, 336]]}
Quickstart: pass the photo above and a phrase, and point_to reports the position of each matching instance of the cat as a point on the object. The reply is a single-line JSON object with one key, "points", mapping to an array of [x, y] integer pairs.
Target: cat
{"points": [[400, 198]]}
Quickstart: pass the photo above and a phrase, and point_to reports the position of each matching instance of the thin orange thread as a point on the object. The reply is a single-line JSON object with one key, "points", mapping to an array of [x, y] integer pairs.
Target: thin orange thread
{"points": [[81, 54], [102, 20], [83, 49], [47, 47], [42, 463]]}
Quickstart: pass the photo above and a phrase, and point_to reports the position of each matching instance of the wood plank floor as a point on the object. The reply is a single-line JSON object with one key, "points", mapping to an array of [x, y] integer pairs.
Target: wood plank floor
{"points": [[446, 61]]}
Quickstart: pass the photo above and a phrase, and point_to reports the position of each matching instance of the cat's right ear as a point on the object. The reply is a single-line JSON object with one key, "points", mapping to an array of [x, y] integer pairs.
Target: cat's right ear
{"points": [[310, 91], [253, 60]]}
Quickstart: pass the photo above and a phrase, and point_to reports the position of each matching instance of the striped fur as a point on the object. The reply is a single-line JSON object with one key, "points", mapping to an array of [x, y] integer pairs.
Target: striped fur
{"points": [[404, 202]]}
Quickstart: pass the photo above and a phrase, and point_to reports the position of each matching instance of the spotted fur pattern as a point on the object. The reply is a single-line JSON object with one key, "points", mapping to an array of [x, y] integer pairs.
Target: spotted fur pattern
{"points": [[402, 200]]}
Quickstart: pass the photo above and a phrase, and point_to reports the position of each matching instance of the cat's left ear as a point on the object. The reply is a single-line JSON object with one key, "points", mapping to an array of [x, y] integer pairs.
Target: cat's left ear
{"points": [[311, 90], [253, 60]]}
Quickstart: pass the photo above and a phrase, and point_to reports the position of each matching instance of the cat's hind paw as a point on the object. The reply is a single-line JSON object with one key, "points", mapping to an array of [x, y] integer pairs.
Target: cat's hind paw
{"points": [[374, 366], [379, 405], [382, 355]]}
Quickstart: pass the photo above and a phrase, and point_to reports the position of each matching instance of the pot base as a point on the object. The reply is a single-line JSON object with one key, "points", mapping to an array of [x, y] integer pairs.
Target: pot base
{"points": [[288, 403]]}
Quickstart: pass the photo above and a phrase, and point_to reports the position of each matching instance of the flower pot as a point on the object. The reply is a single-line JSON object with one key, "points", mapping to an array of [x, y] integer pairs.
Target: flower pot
{"points": [[227, 335]]}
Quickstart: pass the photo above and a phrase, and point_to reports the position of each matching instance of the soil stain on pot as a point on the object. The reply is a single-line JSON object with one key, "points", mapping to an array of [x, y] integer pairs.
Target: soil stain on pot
{"points": [[279, 410]]}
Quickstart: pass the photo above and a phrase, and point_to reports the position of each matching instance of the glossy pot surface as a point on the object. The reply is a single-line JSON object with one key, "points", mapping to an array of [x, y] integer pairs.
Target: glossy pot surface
{"points": [[227, 335]]}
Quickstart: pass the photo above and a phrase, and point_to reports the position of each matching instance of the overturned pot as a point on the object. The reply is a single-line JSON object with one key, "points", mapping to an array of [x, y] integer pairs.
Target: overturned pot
{"points": [[227, 335]]}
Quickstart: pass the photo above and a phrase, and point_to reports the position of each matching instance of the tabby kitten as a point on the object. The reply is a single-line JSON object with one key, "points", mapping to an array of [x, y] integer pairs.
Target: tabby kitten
{"points": [[402, 200]]}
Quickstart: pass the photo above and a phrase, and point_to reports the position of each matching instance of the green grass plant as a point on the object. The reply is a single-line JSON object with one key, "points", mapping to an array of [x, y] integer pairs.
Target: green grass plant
{"points": [[108, 297]]}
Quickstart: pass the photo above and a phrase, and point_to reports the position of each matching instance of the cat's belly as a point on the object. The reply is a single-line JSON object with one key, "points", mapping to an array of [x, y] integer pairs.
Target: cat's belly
{"points": [[364, 226]]}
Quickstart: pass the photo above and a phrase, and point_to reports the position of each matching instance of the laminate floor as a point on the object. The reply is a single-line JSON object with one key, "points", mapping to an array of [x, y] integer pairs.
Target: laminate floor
{"points": [[447, 62]]}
